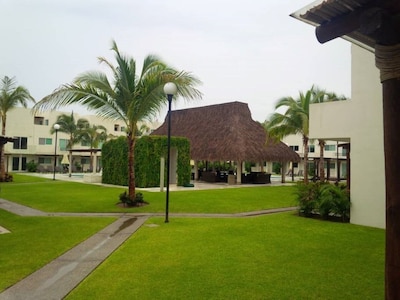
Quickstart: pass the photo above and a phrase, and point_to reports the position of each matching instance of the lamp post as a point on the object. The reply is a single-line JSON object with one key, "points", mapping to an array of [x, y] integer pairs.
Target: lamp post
{"points": [[170, 90], [56, 128]]}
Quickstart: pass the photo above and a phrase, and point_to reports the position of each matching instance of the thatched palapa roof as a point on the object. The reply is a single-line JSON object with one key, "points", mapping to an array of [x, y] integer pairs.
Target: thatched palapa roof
{"points": [[225, 132]]}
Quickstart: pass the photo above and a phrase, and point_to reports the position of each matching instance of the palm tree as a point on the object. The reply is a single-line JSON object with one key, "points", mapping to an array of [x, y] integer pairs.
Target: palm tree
{"points": [[73, 128], [130, 97], [93, 136], [10, 97], [294, 121]]}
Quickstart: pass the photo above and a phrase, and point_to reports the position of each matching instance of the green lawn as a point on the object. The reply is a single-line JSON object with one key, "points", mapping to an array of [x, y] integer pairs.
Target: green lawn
{"points": [[35, 241], [62, 196], [280, 256]]}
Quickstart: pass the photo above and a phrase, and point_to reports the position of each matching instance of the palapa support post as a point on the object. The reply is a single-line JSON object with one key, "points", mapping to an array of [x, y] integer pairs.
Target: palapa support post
{"points": [[388, 61]]}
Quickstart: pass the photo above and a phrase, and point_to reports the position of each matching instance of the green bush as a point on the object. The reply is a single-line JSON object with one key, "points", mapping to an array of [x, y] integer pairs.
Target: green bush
{"points": [[276, 167], [138, 201], [31, 166], [325, 199], [334, 201], [307, 196]]}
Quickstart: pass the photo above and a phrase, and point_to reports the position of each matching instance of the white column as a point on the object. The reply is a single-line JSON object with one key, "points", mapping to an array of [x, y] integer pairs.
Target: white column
{"points": [[269, 167], [94, 163], [239, 172]]}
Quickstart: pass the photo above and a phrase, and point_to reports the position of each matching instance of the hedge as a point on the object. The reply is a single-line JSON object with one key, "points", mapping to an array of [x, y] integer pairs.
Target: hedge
{"points": [[148, 151]]}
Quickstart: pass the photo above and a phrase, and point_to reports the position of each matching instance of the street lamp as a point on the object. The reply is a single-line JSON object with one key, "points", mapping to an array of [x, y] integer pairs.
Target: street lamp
{"points": [[170, 90], [56, 128]]}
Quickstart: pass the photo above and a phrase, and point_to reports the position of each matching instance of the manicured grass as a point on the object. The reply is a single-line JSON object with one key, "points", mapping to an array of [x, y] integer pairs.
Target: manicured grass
{"points": [[278, 256], [35, 241], [61, 196]]}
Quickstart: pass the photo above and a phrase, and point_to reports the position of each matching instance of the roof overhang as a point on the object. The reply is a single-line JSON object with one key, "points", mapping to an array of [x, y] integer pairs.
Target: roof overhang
{"points": [[362, 22]]}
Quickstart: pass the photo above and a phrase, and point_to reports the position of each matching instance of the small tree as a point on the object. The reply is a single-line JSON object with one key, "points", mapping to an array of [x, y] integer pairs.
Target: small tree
{"points": [[93, 135], [73, 128]]}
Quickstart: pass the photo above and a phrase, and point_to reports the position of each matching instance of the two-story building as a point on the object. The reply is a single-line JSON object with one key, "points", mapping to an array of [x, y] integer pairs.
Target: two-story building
{"points": [[33, 141]]}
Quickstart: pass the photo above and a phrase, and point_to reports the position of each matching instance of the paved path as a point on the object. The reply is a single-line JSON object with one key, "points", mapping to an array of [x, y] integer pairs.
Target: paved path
{"points": [[56, 279]]}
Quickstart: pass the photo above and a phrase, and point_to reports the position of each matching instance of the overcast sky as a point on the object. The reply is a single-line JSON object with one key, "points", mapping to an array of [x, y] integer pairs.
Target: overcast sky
{"points": [[248, 51]]}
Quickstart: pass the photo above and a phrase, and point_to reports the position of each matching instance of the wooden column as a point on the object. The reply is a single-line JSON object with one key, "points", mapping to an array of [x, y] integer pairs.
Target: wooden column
{"points": [[391, 112], [388, 61]]}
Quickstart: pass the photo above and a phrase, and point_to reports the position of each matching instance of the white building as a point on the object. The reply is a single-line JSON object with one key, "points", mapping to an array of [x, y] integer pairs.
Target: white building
{"points": [[335, 157], [353, 123], [34, 142], [362, 125]]}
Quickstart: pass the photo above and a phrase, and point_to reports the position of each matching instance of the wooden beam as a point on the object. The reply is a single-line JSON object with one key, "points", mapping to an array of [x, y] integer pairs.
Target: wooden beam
{"points": [[370, 21], [338, 27]]}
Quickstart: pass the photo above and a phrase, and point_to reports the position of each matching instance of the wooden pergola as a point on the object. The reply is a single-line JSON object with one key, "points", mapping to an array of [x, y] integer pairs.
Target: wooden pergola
{"points": [[374, 25]]}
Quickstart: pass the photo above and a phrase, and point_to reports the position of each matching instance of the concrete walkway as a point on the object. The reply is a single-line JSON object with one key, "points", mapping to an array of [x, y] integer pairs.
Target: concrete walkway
{"points": [[58, 278]]}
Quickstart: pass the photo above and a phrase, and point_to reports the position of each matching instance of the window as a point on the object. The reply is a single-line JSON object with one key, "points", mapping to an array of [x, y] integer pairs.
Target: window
{"points": [[44, 160], [20, 143], [332, 165], [63, 144], [38, 121], [122, 128], [344, 151], [116, 127], [85, 161], [311, 148], [330, 147], [85, 143], [45, 141], [295, 165], [294, 148], [16, 164]]}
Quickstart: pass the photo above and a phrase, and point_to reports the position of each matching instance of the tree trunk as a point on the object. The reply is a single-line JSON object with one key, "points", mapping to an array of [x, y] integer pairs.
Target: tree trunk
{"points": [[70, 164], [321, 160], [91, 160], [131, 167], [2, 156], [305, 144]]}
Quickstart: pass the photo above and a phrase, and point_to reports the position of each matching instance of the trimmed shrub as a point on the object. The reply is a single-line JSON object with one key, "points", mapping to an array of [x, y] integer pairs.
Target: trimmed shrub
{"points": [[148, 151]]}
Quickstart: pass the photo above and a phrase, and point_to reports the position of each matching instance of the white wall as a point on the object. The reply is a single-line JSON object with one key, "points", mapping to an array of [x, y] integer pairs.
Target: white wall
{"points": [[368, 173], [359, 121]]}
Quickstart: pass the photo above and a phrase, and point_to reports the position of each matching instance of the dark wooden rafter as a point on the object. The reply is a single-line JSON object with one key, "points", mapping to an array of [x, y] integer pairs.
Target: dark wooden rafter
{"points": [[373, 22]]}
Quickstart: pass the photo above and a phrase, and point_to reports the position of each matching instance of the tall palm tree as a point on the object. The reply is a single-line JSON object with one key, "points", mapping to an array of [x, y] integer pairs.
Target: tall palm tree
{"points": [[130, 97], [93, 136], [73, 128], [10, 97], [295, 120]]}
